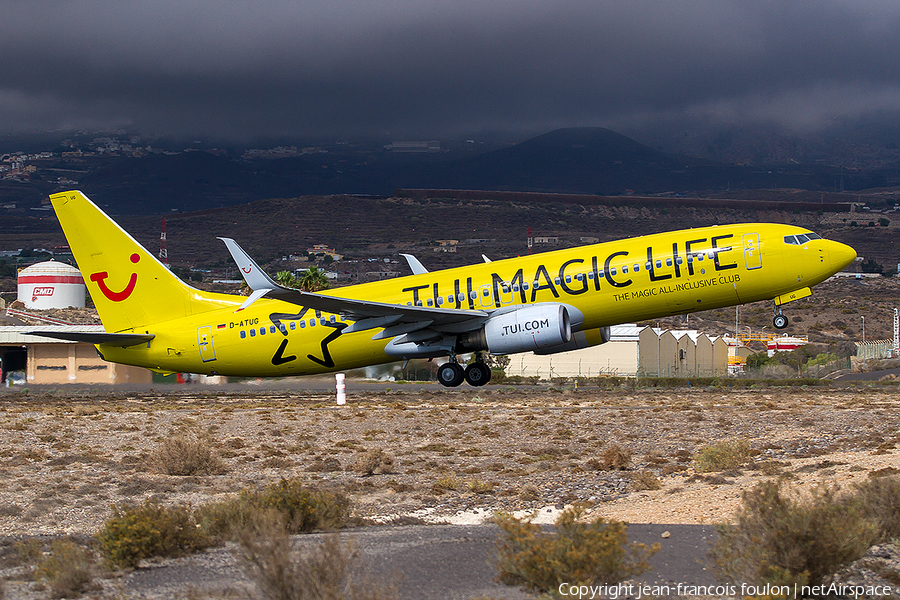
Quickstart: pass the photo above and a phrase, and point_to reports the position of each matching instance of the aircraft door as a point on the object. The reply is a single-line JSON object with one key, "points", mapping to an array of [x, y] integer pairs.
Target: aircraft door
{"points": [[752, 255], [205, 343]]}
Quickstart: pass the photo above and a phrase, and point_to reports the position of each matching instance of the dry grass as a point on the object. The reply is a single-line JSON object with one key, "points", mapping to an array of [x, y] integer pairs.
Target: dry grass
{"points": [[187, 454], [374, 461], [577, 553], [329, 571]]}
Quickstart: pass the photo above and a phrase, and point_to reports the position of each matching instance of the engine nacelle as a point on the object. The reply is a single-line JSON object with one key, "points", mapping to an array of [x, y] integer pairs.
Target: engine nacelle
{"points": [[580, 339], [527, 329]]}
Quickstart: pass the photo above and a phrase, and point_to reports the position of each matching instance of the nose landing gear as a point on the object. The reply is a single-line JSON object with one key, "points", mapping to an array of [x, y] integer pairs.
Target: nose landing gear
{"points": [[780, 321]]}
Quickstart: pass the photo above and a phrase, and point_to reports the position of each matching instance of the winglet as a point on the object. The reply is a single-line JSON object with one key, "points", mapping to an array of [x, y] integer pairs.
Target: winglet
{"points": [[258, 280], [414, 264], [253, 274]]}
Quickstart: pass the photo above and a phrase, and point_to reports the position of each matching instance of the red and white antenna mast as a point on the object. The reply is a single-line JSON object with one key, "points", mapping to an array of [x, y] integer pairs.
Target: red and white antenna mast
{"points": [[163, 251]]}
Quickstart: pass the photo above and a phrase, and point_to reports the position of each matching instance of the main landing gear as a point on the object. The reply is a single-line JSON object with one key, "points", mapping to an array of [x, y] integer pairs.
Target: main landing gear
{"points": [[780, 321], [452, 374]]}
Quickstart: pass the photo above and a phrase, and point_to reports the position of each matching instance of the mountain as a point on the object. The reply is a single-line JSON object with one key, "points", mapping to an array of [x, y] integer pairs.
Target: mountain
{"points": [[574, 160]]}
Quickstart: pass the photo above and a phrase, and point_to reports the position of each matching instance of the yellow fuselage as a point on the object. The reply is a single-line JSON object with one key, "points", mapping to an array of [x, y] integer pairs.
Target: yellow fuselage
{"points": [[611, 283]]}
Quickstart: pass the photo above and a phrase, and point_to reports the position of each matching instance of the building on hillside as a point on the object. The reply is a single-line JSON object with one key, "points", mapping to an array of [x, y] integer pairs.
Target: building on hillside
{"points": [[632, 351], [42, 360]]}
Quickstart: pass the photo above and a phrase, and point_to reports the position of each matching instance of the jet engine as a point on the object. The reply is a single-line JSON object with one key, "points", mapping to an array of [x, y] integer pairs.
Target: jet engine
{"points": [[525, 329]]}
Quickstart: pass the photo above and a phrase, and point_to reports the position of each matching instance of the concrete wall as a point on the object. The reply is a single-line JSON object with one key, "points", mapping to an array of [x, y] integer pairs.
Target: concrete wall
{"points": [[77, 363]]}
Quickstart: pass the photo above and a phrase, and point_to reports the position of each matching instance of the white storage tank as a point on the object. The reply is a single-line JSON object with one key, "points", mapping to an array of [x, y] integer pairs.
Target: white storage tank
{"points": [[51, 284]]}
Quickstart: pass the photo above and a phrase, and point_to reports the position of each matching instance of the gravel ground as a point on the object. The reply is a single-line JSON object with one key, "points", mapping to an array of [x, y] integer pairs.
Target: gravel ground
{"points": [[458, 456]]}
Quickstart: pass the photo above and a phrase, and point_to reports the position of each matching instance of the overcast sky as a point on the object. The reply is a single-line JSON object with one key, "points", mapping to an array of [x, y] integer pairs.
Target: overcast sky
{"points": [[430, 68]]}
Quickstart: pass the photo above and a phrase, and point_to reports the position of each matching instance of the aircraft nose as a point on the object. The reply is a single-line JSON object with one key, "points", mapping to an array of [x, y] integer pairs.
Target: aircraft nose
{"points": [[841, 255]]}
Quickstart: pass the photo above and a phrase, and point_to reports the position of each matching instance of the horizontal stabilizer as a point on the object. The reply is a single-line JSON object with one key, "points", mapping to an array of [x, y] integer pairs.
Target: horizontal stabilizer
{"points": [[111, 339]]}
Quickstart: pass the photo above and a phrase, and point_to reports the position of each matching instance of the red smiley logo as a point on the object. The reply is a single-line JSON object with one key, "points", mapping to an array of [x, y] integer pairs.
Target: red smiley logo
{"points": [[99, 279]]}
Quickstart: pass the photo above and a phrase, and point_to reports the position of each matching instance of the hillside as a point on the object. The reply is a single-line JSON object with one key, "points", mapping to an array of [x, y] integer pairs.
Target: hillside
{"points": [[575, 160]]}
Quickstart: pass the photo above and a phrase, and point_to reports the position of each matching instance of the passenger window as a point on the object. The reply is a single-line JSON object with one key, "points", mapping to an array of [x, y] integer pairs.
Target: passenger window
{"points": [[486, 292], [450, 298], [537, 285], [525, 286], [556, 280], [462, 297], [625, 269], [648, 265], [262, 331], [579, 277], [515, 287], [690, 259], [332, 319], [312, 322], [612, 271], [659, 264], [429, 302], [418, 303], [302, 324], [568, 279], [601, 274], [712, 254], [272, 329], [668, 262], [679, 260], [252, 333], [293, 326], [591, 275], [440, 300], [243, 334], [637, 268], [700, 256], [505, 288]]}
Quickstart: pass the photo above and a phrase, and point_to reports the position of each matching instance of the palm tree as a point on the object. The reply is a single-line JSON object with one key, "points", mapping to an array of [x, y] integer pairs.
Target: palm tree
{"points": [[313, 280], [286, 278]]}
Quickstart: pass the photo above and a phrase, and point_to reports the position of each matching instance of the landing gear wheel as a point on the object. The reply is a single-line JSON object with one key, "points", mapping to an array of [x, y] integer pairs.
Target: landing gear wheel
{"points": [[478, 374], [780, 321], [450, 374]]}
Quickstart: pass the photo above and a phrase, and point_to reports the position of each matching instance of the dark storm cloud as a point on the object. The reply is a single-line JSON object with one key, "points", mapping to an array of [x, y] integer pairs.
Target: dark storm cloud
{"points": [[343, 67]]}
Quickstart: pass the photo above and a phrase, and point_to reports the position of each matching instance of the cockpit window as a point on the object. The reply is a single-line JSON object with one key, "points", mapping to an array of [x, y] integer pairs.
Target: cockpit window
{"points": [[813, 236], [790, 239], [802, 239]]}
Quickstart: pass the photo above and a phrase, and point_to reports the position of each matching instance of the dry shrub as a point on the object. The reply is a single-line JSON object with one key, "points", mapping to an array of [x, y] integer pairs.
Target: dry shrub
{"points": [[67, 569], [324, 573], [783, 539], [615, 458], [150, 529], [879, 499], [722, 456], [644, 480], [304, 509], [578, 553], [374, 461], [186, 454]]}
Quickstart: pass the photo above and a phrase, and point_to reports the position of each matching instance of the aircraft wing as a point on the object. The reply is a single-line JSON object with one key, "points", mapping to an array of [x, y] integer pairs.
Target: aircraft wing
{"points": [[91, 337], [395, 318]]}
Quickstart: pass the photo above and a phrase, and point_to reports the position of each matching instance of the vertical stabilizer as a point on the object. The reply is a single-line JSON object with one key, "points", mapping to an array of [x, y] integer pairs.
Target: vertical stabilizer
{"points": [[130, 287]]}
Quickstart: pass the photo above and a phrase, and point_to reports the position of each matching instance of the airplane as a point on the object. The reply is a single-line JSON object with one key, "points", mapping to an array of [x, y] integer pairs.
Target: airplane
{"points": [[547, 303]]}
